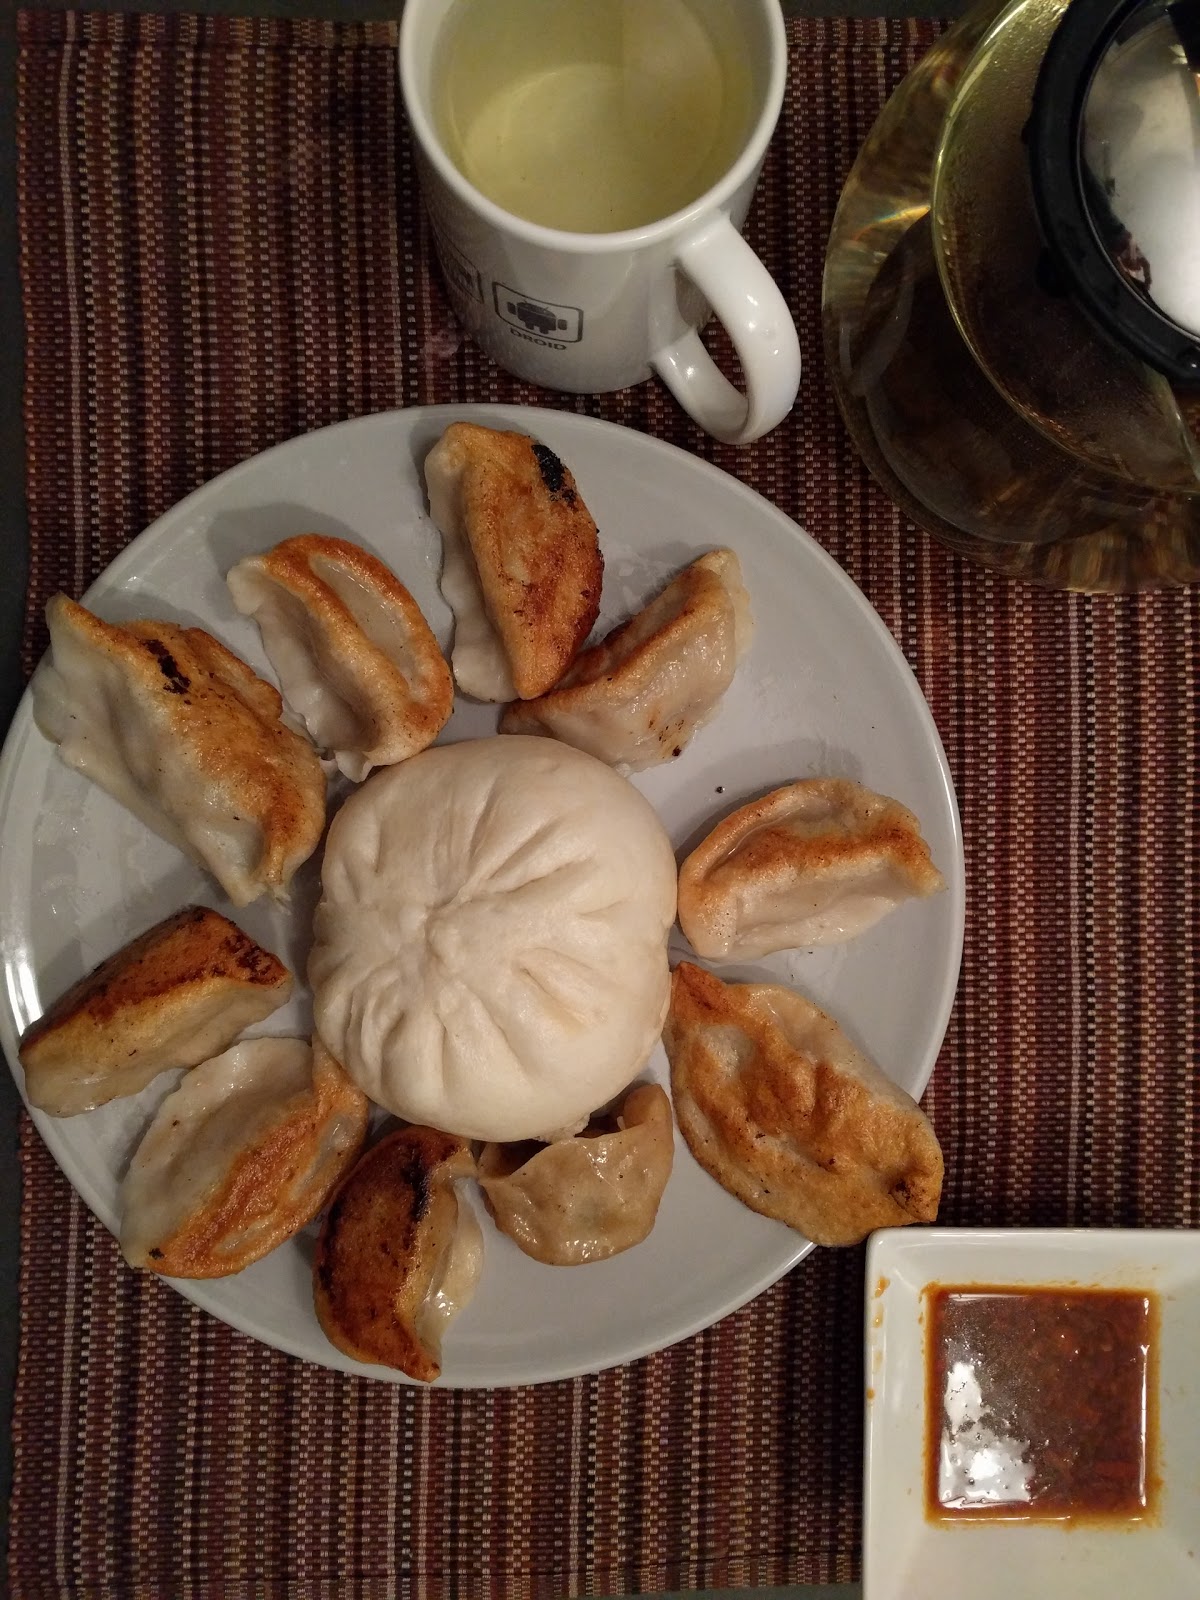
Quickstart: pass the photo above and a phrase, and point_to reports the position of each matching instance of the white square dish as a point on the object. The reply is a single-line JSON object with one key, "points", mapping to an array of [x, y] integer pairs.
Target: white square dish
{"points": [[907, 1554]]}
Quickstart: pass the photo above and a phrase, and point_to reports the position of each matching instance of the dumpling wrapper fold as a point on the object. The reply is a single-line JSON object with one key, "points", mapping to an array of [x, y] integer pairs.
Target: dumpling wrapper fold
{"points": [[590, 1197], [356, 659], [182, 733], [639, 696], [243, 1154], [400, 1252], [813, 863], [786, 1114], [522, 569], [175, 996]]}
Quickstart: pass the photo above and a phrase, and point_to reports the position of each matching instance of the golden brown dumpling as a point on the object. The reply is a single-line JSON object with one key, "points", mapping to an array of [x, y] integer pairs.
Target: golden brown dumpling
{"points": [[355, 657], [522, 569], [638, 696], [180, 731], [781, 1109], [813, 863], [239, 1158], [586, 1198], [175, 996], [399, 1253]]}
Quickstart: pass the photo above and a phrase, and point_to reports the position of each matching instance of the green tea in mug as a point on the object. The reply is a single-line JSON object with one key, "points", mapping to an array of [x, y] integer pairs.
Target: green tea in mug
{"points": [[592, 116]]}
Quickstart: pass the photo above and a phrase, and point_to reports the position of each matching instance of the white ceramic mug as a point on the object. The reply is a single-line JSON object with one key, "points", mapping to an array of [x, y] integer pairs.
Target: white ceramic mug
{"points": [[589, 312]]}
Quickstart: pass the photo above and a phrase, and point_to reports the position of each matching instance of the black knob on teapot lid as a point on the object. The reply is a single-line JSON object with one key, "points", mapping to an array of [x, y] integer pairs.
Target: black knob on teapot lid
{"points": [[1114, 144]]}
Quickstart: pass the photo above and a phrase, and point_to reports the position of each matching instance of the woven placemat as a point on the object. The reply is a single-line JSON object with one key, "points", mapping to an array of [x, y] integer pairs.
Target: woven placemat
{"points": [[221, 249]]}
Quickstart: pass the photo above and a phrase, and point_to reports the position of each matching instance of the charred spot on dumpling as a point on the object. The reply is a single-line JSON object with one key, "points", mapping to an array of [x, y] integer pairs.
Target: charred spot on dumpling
{"points": [[250, 959], [554, 475], [323, 1265], [177, 681], [418, 1177]]}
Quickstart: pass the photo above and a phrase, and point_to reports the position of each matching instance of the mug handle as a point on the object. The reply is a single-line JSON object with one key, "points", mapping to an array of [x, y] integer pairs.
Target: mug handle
{"points": [[747, 301]]}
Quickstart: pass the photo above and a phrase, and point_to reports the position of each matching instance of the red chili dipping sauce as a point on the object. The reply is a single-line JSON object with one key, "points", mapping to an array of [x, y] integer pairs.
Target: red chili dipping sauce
{"points": [[1040, 1403]]}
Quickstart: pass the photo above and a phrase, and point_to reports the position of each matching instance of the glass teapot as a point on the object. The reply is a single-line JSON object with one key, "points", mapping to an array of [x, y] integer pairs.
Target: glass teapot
{"points": [[1011, 299]]}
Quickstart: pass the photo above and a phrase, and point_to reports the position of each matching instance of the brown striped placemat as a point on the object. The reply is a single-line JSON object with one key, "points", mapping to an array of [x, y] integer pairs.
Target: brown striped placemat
{"points": [[222, 248]]}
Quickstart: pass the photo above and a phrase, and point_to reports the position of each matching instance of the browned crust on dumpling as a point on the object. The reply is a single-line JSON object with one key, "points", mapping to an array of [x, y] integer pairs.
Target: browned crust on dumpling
{"points": [[174, 651], [772, 854], [381, 1245], [586, 1198], [191, 948], [628, 662], [183, 964], [405, 716], [255, 1187], [834, 1153], [888, 831], [227, 720], [536, 550]]}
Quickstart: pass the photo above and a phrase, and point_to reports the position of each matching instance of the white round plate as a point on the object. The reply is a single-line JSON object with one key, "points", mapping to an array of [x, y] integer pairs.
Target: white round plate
{"points": [[824, 690]]}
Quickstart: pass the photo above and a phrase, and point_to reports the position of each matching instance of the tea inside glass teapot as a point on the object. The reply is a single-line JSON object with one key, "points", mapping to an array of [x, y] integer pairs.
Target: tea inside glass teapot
{"points": [[1012, 292]]}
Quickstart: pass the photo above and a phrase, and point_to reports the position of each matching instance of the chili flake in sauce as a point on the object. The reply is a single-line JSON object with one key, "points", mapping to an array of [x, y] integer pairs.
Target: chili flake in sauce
{"points": [[1040, 1403]]}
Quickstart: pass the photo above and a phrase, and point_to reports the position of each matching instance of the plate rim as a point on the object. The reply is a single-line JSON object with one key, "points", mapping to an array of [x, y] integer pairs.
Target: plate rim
{"points": [[121, 570]]}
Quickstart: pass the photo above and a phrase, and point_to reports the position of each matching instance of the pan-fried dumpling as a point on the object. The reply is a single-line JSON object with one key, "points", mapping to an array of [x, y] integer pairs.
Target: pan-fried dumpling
{"points": [[175, 996], [356, 659], [489, 951], [780, 1108], [812, 863], [182, 733], [243, 1154], [638, 697], [400, 1253], [522, 569], [586, 1198]]}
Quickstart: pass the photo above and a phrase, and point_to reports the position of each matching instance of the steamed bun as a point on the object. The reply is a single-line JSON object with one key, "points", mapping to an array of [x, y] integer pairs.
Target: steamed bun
{"points": [[489, 951]]}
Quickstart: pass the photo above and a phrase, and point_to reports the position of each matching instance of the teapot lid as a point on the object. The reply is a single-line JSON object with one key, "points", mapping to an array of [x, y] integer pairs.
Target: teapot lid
{"points": [[1114, 145]]}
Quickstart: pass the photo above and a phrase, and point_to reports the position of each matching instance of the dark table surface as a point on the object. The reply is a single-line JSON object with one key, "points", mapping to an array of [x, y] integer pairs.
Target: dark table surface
{"points": [[13, 537]]}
